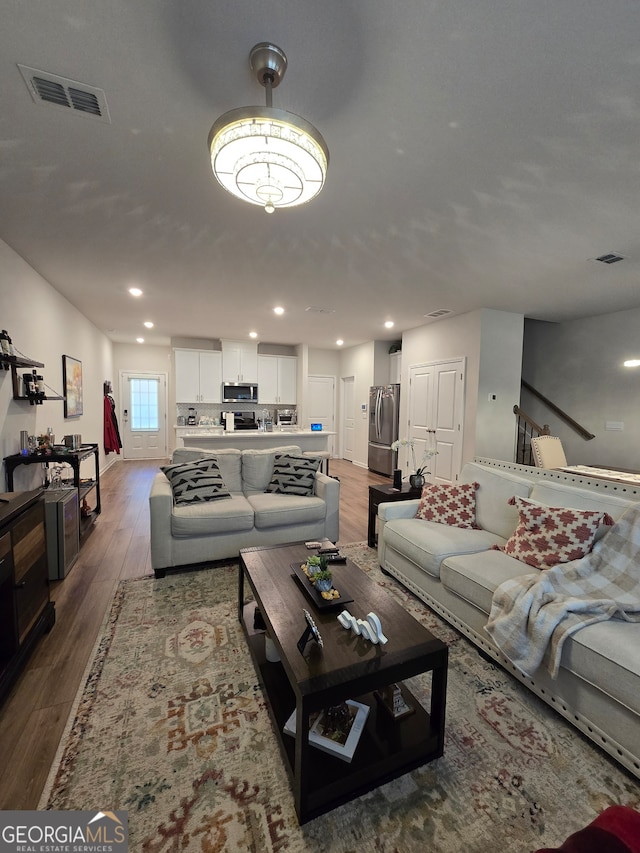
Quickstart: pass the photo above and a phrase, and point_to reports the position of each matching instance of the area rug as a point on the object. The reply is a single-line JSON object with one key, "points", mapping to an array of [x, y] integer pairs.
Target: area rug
{"points": [[172, 725]]}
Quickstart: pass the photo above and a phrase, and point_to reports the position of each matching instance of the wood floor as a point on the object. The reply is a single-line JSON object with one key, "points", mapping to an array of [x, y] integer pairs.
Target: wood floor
{"points": [[33, 717]]}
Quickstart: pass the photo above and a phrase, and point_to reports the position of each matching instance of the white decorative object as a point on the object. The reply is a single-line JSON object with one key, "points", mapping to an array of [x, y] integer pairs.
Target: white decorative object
{"points": [[371, 629]]}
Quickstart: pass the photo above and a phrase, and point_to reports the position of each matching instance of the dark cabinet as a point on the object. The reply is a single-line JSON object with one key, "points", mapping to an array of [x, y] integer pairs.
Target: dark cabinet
{"points": [[25, 608]]}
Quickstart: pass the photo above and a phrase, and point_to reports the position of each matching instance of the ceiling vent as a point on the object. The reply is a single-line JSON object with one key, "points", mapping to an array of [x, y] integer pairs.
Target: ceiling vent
{"points": [[440, 312], [60, 92], [313, 309], [611, 258]]}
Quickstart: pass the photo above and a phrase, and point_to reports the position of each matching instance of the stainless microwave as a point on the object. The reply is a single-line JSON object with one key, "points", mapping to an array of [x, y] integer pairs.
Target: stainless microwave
{"points": [[238, 392]]}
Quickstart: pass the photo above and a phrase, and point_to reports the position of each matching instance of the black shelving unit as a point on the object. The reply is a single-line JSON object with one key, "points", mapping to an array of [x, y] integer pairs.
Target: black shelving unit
{"points": [[13, 363], [72, 458]]}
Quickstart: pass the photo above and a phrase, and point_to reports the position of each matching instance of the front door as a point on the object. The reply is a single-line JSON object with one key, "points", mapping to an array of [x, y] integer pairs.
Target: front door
{"points": [[144, 415], [436, 411], [322, 406]]}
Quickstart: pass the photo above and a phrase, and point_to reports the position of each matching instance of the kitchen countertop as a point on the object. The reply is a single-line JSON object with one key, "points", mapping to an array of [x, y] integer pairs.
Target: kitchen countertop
{"points": [[256, 433], [306, 439]]}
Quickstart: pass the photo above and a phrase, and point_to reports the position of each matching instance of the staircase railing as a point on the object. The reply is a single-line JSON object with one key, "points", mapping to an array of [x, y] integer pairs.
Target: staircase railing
{"points": [[526, 429], [558, 411]]}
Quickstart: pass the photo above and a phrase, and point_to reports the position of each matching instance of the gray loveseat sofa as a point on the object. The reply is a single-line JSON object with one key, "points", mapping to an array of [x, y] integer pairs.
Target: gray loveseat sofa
{"points": [[455, 571], [218, 529]]}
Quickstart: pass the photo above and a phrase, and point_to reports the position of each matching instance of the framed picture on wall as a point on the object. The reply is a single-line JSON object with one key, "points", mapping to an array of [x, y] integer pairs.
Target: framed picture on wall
{"points": [[72, 379]]}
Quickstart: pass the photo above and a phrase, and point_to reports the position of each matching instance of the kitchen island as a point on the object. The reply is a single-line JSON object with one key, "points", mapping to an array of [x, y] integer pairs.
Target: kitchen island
{"points": [[254, 439]]}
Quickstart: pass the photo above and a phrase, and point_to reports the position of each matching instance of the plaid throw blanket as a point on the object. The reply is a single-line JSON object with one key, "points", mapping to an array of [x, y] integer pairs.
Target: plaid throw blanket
{"points": [[539, 611]]}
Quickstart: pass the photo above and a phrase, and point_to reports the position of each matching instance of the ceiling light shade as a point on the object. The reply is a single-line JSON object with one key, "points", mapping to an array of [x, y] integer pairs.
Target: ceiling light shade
{"points": [[266, 156]]}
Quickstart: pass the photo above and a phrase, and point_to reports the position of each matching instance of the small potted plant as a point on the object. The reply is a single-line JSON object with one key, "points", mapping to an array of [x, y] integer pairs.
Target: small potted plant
{"points": [[314, 565], [323, 580], [416, 480]]}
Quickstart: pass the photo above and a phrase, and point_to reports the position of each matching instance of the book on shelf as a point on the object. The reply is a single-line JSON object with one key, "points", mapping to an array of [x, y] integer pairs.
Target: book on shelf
{"points": [[336, 734]]}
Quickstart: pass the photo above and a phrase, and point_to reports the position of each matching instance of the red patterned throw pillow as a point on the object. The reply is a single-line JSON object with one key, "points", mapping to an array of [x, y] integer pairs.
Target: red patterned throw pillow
{"points": [[454, 504], [546, 535]]}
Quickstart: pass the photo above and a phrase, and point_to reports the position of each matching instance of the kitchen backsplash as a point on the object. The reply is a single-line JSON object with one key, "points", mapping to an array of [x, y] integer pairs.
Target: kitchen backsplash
{"points": [[212, 412]]}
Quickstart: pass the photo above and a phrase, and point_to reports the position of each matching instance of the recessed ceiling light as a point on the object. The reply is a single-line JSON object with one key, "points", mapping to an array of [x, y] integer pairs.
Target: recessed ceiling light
{"points": [[339, 342], [135, 291], [148, 324], [140, 340], [388, 324], [253, 334], [632, 362], [278, 310]]}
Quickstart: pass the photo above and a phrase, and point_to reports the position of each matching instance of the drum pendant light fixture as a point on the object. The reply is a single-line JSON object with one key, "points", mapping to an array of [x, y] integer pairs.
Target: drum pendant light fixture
{"points": [[266, 156]]}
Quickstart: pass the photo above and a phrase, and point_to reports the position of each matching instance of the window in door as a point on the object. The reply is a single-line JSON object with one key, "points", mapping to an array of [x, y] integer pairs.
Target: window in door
{"points": [[144, 404]]}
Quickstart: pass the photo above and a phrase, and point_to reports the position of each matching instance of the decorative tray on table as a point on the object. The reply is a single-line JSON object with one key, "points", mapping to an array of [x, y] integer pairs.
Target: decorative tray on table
{"points": [[312, 593]]}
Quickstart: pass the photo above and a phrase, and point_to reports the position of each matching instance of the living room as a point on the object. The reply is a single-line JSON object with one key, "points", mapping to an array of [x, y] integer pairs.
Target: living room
{"points": [[478, 238]]}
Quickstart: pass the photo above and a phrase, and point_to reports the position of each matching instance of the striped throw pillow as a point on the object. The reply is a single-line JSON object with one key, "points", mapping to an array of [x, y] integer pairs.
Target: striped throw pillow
{"points": [[194, 482], [293, 475]]}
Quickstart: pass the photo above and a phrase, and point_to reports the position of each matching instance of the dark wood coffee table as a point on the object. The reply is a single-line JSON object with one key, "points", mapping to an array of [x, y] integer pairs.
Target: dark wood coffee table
{"points": [[346, 667]]}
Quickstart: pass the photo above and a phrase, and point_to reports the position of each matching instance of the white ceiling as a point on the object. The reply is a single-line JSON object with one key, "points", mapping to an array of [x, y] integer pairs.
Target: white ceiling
{"points": [[483, 152]]}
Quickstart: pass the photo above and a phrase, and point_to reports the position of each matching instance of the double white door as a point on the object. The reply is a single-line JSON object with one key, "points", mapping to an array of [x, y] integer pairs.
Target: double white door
{"points": [[436, 411]]}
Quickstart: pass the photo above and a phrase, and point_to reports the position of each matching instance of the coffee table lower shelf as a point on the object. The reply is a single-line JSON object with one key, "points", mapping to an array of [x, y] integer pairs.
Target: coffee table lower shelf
{"points": [[387, 748]]}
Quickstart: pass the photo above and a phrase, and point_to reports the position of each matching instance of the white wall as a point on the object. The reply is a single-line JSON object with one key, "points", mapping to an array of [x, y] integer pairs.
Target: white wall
{"points": [[491, 343], [578, 365], [359, 363], [324, 362], [43, 326], [500, 374]]}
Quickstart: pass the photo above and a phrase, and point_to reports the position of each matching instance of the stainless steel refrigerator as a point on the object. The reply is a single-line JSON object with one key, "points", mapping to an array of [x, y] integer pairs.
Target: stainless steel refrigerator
{"points": [[384, 413]]}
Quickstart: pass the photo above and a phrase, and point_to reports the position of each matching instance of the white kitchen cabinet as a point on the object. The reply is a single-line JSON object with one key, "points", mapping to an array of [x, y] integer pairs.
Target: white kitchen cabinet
{"points": [[240, 362], [198, 376], [277, 379]]}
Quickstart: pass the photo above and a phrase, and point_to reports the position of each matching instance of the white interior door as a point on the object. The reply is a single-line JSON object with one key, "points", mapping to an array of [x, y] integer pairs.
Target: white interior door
{"points": [[322, 405], [144, 415], [436, 412], [348, 418]]}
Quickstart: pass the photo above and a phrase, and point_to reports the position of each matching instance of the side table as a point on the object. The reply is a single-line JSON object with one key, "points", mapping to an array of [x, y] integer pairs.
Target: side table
{"points": [[384, 493]]}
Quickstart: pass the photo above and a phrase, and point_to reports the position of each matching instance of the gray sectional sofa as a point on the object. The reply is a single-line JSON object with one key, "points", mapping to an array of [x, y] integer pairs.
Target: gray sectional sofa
{"points": [[455, 571], [218, 529]]}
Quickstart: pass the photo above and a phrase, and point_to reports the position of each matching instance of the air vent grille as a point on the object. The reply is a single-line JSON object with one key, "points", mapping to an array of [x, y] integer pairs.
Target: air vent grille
{"points": [[313, 309], [439, 312], [52, 90], [611, 258]]}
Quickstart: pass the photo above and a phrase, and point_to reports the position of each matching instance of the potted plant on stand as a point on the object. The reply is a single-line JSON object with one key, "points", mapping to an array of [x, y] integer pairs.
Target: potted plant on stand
{"points": [[416, 480]]}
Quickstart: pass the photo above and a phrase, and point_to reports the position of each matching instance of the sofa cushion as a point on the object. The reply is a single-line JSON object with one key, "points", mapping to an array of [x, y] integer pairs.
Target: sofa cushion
{"points": [[427, 543], [606, 655], [495, 488], [257, 467], [453, 504], [475, 577], [293, 475], [557, 494], [228, 516], [277, 510], [229, 461], [546, 536], [196, 482]]}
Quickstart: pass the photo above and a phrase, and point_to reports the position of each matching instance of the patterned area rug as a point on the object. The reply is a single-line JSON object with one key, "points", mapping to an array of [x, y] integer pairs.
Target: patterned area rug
{"points": [[172, 725]]}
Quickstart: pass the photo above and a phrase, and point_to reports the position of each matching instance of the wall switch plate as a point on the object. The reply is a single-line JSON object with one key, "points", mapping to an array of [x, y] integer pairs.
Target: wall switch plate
{"points": [[617, 425], [493, 398]]}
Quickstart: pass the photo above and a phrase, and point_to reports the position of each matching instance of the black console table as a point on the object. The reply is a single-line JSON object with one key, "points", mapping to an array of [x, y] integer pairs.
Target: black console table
{"points": [[72, 458]]}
